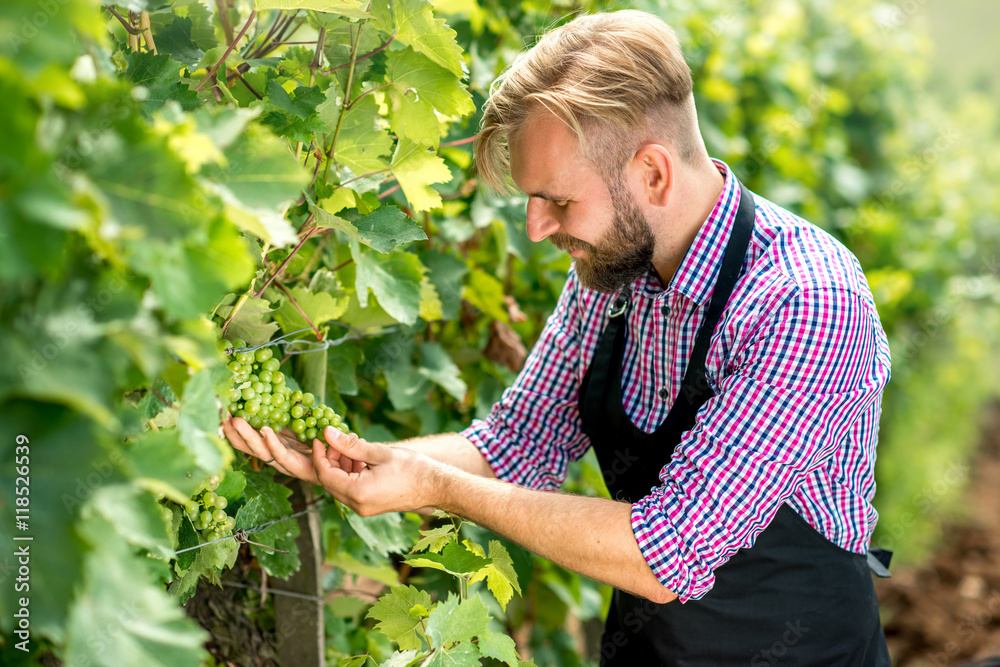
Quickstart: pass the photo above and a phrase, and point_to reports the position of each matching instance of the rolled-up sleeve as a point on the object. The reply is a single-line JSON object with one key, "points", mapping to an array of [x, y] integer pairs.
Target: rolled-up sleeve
{"points": [[785, 403], [533, 433]]}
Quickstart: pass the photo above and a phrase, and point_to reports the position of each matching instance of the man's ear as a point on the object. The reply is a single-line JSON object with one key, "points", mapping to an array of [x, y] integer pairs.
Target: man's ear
{"points": [[655, 166]]}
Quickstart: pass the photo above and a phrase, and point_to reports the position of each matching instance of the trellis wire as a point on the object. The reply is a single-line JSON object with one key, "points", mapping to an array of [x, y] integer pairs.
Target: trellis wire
{"points": [[241, 534], [313, 345]]}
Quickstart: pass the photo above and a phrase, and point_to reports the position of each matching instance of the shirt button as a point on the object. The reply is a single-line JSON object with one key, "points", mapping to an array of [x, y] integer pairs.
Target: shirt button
{"points": [[665, 310], [664, 393]]}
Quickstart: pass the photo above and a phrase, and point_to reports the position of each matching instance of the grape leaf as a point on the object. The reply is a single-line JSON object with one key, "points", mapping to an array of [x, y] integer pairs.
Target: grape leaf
{"points": [[435, 539], [189, 278], [231, 486], [461, 655], [395, 279], [486, 293], [446, 272], [403, 659], [454, 559], [353, 9], [187, 537], [135, 515], [453, 621], [174, 37], [198, 424], [251, 321], [319, 306], [500, 576], [409, 70], [160, 76], [361, 144], [260, 179], [385, 228], [158, 462], [120, 613], [430, 302], [251, 514], [499, 647], [418, 87], [342, 363], [384, 533], [392, 611], [438, 367], [413, 23], [416, 167], [273, 505]]}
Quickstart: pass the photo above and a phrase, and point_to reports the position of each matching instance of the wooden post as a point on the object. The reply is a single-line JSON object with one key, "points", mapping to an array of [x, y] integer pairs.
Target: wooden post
{"points": [[298, 621]]}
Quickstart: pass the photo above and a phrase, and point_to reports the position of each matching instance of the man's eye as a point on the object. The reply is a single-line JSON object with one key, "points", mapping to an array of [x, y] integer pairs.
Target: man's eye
{"points": [[562, 204]]}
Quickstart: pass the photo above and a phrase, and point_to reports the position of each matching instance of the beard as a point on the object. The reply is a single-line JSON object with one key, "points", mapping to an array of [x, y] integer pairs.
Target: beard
{"points": [[622, 256]]}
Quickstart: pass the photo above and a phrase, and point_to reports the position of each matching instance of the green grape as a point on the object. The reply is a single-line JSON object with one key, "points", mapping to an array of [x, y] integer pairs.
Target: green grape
{"points": [[233, 407], [249, 393], [244, 358], [322, 423], [296, 396], [258, 387], [238, 343], [310, 422], [205, 517], [225, 345], [253, 406], [343, 428], [265, 375], [235, 367], [253, 379], [242, 414], [296, 411], [308, 399], [209, 499], [335, 421], [212, 536], [268, 387], [285, 418], [271, 364], [219, 516], [329, 413], [221, 502], [278, 400], [311, 434], [264, 398], [230, 523], [298, 426], [264, 354]]}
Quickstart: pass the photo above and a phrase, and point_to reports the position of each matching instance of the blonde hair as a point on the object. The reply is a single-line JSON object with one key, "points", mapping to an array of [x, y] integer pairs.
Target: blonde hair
{"points": [[615, 79]]}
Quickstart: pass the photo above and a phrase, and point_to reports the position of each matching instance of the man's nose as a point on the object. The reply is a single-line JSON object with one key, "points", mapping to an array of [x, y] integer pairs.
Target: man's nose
{"points": [[541, 224]]}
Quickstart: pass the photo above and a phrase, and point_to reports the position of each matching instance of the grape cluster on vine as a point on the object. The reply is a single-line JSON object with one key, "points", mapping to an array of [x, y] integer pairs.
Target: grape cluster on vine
{"points": [[207, 511], [260, 396]]}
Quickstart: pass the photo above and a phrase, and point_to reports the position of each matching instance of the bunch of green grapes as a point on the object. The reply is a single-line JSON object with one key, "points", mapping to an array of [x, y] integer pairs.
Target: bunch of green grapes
{"points": [[260, 396], [207, 511]]}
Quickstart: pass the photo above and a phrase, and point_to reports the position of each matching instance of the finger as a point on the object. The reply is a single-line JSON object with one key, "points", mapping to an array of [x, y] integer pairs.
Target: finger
{"points": [[355, 448], [330, 474], [290, 461], [234, 438], [252, 438]]}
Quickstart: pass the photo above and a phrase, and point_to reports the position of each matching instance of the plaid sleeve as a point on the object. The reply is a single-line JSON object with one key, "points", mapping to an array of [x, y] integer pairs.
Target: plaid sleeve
{"points": [[533, 433], [785, 403]]}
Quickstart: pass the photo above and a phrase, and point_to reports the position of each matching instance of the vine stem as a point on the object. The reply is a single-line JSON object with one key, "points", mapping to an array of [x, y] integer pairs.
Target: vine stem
{"points": [[319, 335], [284, 264], [215, 67], [460, 142], [222, 8], [239, 304], [347, 94], [129, 28], [360, 58]]}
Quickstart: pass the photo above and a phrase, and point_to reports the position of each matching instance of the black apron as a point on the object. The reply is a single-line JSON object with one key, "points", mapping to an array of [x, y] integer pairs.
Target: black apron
{"points": [[794, 598]]}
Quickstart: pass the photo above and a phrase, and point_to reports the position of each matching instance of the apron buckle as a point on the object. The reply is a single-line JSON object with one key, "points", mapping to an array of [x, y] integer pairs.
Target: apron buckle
{"points": [[620, 304]]}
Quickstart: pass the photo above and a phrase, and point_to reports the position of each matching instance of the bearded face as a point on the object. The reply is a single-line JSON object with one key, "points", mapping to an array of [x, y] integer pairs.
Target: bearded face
{"points": [[622, 256]]}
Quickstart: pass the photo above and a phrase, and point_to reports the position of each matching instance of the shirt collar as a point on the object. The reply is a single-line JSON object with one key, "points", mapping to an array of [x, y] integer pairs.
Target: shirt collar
{"points": [[696, 274]]}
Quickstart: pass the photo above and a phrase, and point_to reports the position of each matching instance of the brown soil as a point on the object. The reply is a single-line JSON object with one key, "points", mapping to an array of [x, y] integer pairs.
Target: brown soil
{"points": [[947, 611]]}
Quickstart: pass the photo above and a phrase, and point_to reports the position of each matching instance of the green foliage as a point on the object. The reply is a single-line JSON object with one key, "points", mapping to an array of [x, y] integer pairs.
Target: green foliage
{"points": [[150, 203]]}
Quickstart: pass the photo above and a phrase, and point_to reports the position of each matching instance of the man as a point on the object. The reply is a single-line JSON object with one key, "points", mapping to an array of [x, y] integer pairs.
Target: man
{"points": [[723, 357]]}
